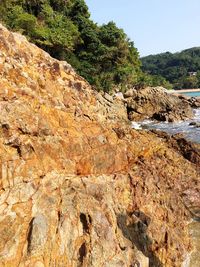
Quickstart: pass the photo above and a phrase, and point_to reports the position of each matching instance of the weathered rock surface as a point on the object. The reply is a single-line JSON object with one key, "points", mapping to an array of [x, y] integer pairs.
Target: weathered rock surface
{"points": [[157, 103], [194, 102], [78, 186]]}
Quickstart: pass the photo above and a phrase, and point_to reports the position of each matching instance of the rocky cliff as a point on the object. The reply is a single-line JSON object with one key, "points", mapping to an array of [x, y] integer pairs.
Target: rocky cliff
{"points": [[78, 186]]}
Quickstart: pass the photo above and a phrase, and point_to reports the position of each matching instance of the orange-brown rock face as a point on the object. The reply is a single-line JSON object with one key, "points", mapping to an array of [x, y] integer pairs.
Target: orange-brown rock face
{"points": [[158, 104], [78, 186]]}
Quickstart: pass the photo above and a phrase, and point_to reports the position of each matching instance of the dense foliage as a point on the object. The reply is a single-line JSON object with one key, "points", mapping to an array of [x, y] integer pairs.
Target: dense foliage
{"points": [[182, 69], [102, 54]]}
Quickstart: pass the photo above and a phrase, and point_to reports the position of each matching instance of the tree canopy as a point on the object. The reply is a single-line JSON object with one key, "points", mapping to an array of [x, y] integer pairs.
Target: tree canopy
{"points": [[103, 55], [181, 69]]}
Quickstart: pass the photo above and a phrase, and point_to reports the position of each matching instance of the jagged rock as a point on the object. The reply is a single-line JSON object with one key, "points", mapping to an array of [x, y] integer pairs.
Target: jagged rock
{"points": [[157, 103], [195, 124], [78, 186], [194, 102], [119, 95], [130, 93], [37, 234], [108, 97]]}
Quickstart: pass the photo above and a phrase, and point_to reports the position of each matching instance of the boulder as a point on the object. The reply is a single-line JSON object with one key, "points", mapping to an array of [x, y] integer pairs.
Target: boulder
{"points": [[195, 124], [194, 102], [130, 93], [157, 103]]}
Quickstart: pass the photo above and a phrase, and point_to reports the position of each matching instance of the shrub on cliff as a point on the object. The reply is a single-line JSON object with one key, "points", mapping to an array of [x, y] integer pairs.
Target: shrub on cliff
{"points": [[102, 54]]}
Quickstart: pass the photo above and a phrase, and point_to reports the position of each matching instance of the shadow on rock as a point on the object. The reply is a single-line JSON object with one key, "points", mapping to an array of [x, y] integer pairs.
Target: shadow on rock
{"points": [[136, 233]]}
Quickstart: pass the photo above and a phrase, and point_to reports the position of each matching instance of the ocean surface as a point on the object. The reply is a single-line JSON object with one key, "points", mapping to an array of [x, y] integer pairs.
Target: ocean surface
{"points": [[192, 94], [191, 133]]}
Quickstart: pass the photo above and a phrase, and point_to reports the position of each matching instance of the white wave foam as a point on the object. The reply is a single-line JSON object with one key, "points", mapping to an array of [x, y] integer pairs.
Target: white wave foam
{"points": [[136, 125]]}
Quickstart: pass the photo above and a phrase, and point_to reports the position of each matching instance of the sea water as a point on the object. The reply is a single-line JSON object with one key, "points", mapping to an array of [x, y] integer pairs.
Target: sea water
{"points": [[191, 94], [190, 132]]}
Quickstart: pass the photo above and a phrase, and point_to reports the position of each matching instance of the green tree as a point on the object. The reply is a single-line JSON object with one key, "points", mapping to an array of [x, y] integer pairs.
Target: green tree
{"points": [[102, 54], [175, 68]]}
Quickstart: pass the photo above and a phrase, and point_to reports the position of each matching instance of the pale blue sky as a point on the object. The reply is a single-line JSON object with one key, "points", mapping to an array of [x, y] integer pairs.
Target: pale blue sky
{"points": [[154, 25]]}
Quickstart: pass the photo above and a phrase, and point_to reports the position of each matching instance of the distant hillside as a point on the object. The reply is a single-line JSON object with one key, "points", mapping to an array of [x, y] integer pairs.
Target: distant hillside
{"points": [[181, 69]]}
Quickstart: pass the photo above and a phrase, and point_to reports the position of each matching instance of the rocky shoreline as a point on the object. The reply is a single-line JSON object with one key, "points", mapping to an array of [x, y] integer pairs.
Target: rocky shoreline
{"points": [[78, 186], [159, 104]]}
